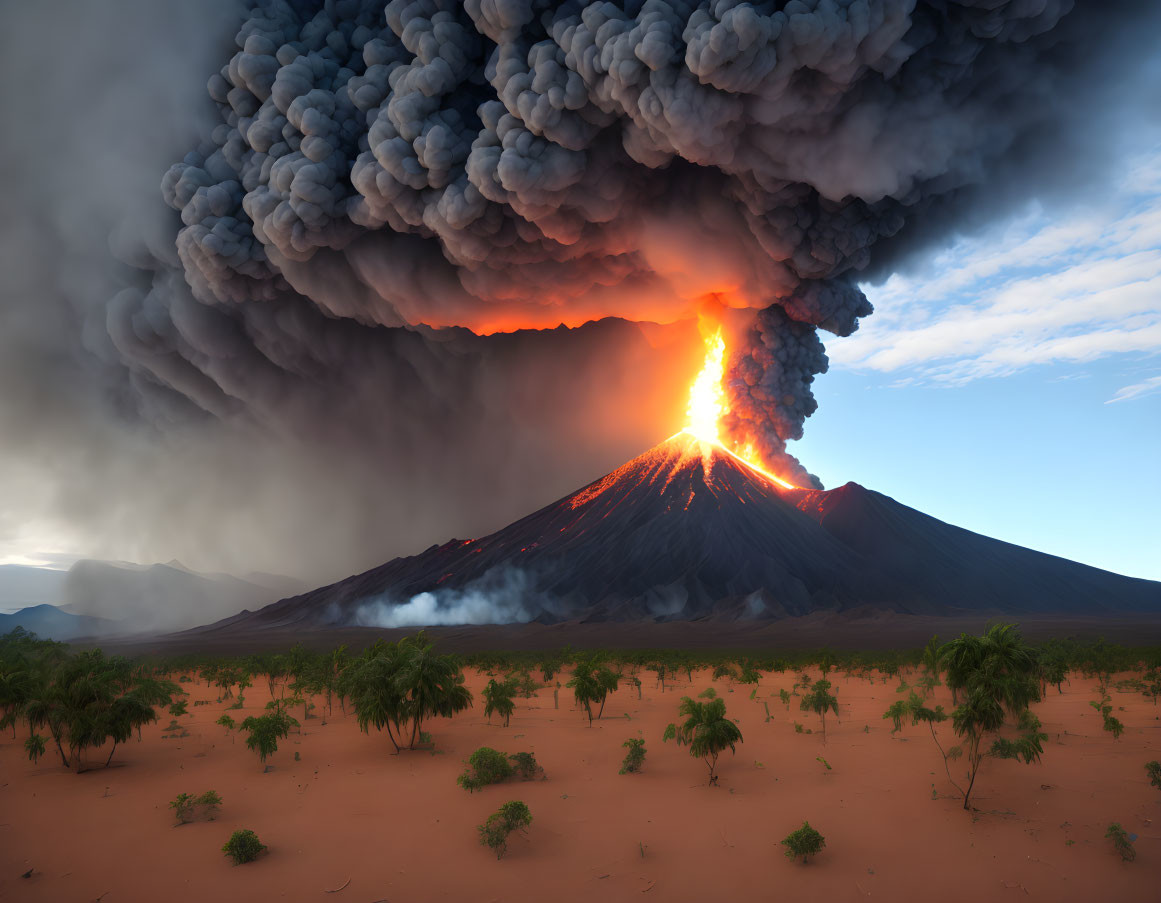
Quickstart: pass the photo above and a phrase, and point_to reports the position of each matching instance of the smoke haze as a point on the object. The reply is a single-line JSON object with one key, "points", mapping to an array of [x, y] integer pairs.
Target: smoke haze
{"points": [[263, 263]]}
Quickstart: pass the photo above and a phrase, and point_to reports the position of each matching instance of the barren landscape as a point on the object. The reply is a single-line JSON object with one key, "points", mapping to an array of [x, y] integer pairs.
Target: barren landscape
{"points": [[345, 819]]}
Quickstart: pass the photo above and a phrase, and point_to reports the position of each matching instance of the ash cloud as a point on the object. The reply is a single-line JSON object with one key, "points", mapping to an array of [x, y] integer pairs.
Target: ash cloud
{"points": [[487, 163], [282, 363]]}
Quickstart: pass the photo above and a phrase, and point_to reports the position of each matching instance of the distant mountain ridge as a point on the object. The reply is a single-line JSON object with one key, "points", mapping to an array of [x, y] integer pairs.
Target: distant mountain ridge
{"points": [[688, 531], [107, 598]]}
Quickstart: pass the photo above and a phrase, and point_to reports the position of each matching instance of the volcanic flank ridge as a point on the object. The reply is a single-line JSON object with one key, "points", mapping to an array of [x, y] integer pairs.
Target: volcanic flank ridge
{"points": [[688, 531]]}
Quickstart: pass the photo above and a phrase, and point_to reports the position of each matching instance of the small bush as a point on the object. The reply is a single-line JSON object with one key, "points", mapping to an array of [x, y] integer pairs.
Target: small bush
{"points": [[1153, 769], [635, 757], [804, 842], [183, 807], [512, 816], [525, 765], [227, 722], [186, 803], [485, 766], [1122, 842], [210, 801], [178, 708], [243, 846]]}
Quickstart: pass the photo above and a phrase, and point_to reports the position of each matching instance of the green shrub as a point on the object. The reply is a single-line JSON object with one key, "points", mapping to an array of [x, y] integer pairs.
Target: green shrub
{"points": [[512, 816], [183, 807], [1122, 842], [485, 766], [525, 765], [210, 801], [243, 846], [804, 842], [227, 722], [635, 757], [186, 803], [178, 708], [1153, 769]]}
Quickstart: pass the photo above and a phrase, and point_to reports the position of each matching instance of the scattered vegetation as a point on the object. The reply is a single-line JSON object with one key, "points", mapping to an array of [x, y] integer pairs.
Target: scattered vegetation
{"points": [[1122, 842], [997, 676], [186, 804], [707, 730], [243, 846], [396, 685], [498, 699], [512, 816], [490, 766], [591, 684], [635, 757], [1153, 769], [820, 700], [83, 700], [803, 843], [265, 731], [485, 766]]}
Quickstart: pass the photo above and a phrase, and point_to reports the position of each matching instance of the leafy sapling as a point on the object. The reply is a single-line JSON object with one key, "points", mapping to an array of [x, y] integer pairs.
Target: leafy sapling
{"points": [[512, 816], [635, 757]]}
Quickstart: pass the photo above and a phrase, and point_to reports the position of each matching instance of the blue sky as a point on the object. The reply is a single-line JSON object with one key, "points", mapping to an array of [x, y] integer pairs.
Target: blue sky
{"points": [[1012, 384]]}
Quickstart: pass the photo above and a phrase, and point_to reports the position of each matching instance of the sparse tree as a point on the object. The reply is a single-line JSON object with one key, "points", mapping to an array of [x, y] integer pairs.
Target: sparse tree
{"points": [[91, 699], [997, 676], [498, 700], [707, 730], [265, 731], [820, 700]]}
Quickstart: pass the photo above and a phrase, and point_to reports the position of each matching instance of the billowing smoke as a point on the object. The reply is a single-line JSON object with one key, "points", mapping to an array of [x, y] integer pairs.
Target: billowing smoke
{"points": [[518, 164], [499, 597], [263, 379]]}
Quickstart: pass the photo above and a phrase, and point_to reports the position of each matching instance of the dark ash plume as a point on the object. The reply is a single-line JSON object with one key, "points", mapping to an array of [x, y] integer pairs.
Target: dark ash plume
{"points": [[505, 164], [264, 381]]}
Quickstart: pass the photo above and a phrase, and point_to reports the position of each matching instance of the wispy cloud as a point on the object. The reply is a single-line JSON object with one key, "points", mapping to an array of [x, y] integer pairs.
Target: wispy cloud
{"points": [[1137, 390], [1036, 291]]}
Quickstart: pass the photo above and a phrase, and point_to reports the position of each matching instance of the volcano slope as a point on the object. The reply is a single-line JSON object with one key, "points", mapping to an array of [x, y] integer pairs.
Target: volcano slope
{"points": [[688, 531]]}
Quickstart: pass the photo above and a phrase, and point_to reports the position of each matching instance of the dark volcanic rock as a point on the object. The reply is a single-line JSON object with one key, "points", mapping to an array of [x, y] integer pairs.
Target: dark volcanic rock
{"points": [[688, 531]]}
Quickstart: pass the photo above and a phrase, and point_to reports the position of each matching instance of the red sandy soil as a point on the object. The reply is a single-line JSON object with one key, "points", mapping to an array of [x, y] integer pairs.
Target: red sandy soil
{"points": [[401, 829]]}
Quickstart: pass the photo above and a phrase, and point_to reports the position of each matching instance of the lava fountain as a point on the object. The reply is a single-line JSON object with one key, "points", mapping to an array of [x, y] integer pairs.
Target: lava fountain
{"points": [[708, 404]]}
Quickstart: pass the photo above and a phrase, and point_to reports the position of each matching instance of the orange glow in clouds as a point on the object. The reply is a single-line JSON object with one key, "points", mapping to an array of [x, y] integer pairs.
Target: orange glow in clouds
{"points": [[708, 404]]}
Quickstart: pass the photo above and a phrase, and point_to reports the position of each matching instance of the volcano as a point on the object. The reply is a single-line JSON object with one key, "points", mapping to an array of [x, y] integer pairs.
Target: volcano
{"points": [[689, 531]]}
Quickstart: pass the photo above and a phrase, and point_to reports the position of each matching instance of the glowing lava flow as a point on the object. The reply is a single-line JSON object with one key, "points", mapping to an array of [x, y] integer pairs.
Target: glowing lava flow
{"points": [[707, 404]]}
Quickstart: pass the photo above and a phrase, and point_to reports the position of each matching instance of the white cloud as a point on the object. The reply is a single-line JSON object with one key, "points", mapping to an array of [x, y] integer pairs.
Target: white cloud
{"points": [[1137, 390], [1035, 291]]}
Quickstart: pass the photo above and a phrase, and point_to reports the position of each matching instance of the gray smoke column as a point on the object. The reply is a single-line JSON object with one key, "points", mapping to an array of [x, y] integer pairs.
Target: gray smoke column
{"points": [[498, 165]]}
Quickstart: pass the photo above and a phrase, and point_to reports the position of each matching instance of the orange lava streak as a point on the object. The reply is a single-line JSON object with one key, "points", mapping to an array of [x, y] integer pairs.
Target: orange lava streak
{"points": [[708, 404]]}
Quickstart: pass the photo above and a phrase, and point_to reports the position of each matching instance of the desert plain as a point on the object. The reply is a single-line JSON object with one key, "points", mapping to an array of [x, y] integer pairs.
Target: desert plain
{"points": [[346, 820]]}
